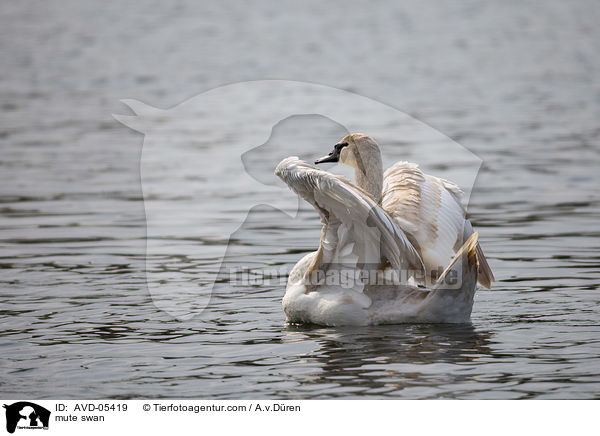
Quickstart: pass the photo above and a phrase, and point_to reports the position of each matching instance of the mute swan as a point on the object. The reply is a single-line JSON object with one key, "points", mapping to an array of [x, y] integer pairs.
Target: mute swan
{"points": [[427, 208], [379, 238]]}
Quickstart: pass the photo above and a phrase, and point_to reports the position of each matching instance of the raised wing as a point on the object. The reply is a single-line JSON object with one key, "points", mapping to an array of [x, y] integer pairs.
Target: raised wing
{"points": [[355, 227], [430, 211]]}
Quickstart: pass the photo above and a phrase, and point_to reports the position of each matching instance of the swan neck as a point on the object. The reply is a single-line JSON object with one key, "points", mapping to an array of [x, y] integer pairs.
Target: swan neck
{"points": [[369, 175]]}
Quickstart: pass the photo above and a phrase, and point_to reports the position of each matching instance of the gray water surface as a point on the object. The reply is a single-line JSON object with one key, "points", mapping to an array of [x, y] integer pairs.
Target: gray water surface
{"points": [[514, 82]]}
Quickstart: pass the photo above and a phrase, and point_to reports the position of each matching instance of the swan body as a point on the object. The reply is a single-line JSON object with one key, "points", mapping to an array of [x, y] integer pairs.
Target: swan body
{"points": [[395, 247], [381, 303]]}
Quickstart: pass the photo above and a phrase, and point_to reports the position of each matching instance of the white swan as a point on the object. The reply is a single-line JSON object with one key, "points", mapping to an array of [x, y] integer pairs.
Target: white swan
{"points": [[379, 239]]}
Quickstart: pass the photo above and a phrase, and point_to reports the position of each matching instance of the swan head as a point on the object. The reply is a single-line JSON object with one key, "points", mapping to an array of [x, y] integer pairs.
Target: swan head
{"points": [[353, 150], [362, 153]]}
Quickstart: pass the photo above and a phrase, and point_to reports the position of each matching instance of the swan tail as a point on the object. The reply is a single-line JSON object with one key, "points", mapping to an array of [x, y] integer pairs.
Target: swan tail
{"points": [[464, 261], [484, 272], [485, 276], [451, 299]]}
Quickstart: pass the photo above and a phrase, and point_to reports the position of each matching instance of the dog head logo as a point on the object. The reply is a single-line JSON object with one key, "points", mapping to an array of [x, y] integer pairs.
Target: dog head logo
{"points": [[26, 415], [222, 146]]}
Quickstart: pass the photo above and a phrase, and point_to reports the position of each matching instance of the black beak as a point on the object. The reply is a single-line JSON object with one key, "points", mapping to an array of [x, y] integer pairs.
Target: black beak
{"points": [[334, 156], [331, 157]]}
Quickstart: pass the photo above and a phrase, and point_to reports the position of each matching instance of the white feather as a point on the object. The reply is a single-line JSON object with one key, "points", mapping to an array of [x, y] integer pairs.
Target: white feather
{"points": [[357, 231]]}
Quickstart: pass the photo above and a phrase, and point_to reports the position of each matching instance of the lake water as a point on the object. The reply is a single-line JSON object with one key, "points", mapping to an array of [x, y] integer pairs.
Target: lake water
{"points": [[516, 83]]}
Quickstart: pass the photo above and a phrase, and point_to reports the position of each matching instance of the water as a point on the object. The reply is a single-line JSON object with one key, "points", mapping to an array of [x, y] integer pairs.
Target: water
{"points": [[515, 83]]}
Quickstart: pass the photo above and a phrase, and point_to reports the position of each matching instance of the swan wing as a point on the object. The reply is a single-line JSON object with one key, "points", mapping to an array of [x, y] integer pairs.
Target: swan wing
{"points": [[430, 211], [353, 223]]}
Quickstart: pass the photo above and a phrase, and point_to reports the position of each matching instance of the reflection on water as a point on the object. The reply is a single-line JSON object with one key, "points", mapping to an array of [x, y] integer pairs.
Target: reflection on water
{"points": [[404, 361], [513, 84]]}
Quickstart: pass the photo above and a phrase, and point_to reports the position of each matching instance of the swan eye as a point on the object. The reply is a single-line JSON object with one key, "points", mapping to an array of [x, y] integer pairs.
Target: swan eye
{"points": [[339, 147]]}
